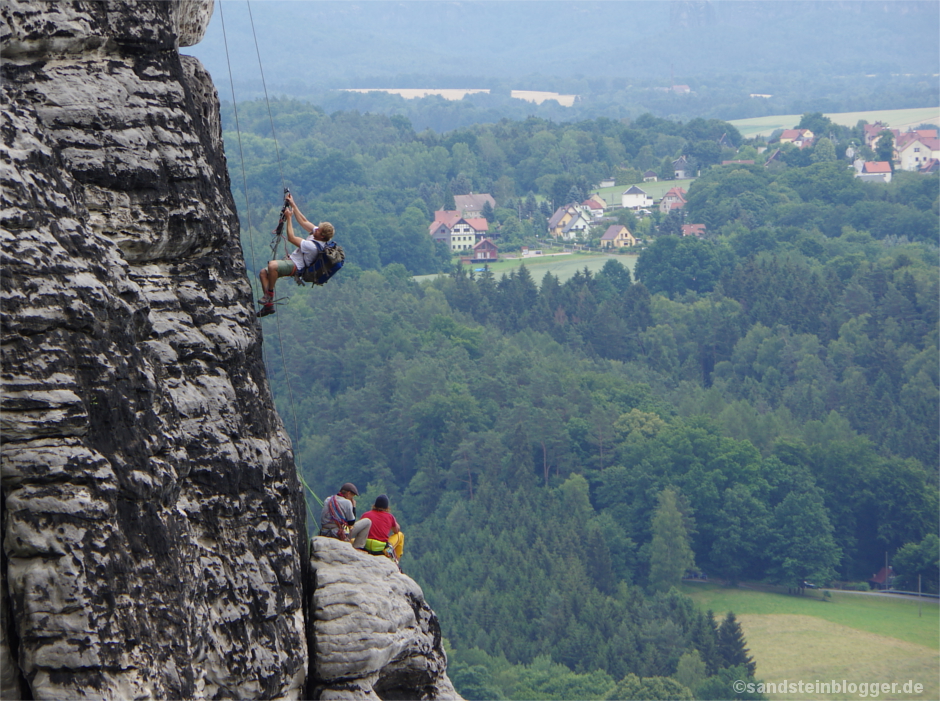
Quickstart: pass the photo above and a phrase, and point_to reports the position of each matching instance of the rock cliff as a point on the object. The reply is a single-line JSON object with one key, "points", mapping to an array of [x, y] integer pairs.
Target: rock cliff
{"points": [[372, 634], [153, 526]]}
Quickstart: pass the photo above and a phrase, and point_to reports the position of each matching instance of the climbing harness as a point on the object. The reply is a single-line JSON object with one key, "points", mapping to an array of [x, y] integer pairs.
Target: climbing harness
{"points": [[280, 225]]}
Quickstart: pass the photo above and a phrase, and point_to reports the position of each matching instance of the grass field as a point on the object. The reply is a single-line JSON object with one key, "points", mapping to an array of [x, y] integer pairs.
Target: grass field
{"points": [[851, 637], [897, 119], [562, 267], [655, 190]]}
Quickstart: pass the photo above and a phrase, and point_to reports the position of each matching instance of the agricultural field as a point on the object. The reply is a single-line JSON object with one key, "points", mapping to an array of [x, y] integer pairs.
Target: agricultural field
{"points": [[561, 266], [897, 119], [850, 637]]}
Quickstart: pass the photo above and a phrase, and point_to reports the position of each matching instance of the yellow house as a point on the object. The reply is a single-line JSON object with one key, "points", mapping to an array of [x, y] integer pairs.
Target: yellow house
{"points": [[617, 236]]}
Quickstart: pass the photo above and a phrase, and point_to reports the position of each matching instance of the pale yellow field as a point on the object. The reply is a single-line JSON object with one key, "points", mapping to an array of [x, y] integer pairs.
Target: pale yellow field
{"points": [[790, 647], [538, 97], [896, 119], [410, 94]]}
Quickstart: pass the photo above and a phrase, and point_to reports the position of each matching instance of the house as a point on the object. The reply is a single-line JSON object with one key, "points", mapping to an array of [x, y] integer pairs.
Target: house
{"points": [[681, 168], [560, 218], [484, 251], [883, 579], [725, 142], [801, 138], [650, 176], [674, 199], [459, 233], [576, 226], [873, 133], [472, 205], [873, 171], [693, 230], [593, 208], [635, 198], [617, 236], [931, 166], [608, 182], [775, 157], [914, 150]]}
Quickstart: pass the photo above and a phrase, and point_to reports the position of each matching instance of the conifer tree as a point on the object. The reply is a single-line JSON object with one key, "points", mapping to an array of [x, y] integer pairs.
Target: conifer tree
{"points": [[732, 646]]}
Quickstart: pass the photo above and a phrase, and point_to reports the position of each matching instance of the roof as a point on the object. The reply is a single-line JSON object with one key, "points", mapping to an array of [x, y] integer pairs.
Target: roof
{"points": [[613, 231], [882, 575], [557, 217], [448, 217], [478, 224], [651, 174], [876, 167], [931, 166], [593, 204], [634, 191], [474, 202], [675, 192], [693, 229], [484, 243], [791, 134]]}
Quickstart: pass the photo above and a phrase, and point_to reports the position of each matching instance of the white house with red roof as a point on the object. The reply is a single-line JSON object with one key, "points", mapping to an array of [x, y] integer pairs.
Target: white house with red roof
{"points": [[914, 148], [801, 138], [459, 233], [693, 230], [674, 199], [873, 171], [592, 207]]}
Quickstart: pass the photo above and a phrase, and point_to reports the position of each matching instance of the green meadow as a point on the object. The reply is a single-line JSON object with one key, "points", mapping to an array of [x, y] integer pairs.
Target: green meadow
{"points": [[897, 119], [850, 637]]}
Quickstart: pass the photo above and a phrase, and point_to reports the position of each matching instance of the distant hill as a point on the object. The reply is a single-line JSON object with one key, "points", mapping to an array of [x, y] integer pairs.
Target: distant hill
{"points": [[306, 44]]}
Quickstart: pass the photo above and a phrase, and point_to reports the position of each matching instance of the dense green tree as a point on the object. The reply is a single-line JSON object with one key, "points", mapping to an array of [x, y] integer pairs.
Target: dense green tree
{"points": [[802, 547], [670, 554], [919, 560]]}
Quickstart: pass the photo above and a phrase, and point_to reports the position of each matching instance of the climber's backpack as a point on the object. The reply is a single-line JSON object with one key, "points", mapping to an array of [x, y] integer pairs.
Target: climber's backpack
{"points": [[326, 265]]}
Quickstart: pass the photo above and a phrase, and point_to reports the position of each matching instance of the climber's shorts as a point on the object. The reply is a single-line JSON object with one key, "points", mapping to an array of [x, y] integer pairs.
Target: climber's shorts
{"points": [[285, 268]]}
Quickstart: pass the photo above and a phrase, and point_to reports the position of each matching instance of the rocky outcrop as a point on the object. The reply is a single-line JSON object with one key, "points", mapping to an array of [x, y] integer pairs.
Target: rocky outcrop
{"points": [[373, 634], [153, 526]]}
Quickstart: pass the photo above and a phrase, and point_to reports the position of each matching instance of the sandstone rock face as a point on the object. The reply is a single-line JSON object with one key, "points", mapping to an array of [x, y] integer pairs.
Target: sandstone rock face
{"points": [[373, 634], [153, 526]]}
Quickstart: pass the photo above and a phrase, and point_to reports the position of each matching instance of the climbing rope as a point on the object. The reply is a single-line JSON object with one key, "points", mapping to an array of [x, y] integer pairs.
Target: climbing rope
{"points": [[251, 231]]}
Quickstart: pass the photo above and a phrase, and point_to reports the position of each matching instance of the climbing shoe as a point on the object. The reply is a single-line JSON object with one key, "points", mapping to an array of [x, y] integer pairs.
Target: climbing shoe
{"points": [[266, 309]]}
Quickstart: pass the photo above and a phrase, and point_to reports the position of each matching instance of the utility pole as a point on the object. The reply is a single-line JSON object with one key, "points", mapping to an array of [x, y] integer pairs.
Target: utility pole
{"points": [[918, 596]]}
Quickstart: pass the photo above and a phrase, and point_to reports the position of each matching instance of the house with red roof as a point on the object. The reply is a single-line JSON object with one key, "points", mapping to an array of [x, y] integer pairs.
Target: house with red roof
{"points": [[873, 171], [801, 138], [459, 233], [914, 150], [592, 207], [485, 251], [693, 230], [674, 199]]}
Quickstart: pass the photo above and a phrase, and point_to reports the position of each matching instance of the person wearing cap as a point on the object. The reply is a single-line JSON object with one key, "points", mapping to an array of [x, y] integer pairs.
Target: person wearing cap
{"points": [[338, 518], [385, 530]]}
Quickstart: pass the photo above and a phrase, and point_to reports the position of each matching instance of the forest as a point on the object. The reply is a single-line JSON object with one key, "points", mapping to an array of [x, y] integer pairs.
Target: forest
{"points": [[766, 398]]}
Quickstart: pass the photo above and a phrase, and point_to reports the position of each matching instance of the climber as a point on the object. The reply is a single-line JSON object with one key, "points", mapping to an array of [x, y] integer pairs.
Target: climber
{"points": [[338, 519], [385, 536], [307, 252]]}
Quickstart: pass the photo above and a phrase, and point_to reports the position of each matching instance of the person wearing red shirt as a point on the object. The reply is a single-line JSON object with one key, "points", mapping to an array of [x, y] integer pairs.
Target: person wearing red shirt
{"points": [[385, 528]]}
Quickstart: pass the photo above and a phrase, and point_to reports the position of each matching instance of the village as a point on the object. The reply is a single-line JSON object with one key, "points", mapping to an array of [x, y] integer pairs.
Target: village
{"points": [[466, 229]]}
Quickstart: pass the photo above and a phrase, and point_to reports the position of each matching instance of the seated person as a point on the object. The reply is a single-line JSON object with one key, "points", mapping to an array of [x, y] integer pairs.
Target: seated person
{"points": [[385, 531]]}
